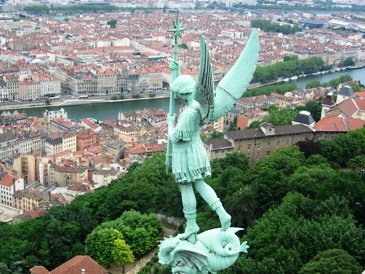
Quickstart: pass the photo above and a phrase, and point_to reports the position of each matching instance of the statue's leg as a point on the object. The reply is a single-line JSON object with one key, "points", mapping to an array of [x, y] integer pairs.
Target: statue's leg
{"points": [[189, 205], [213, 201]]}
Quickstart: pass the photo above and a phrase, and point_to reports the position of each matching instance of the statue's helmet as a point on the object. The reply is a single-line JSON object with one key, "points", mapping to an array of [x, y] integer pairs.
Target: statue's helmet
{"points": [[183, 84]]}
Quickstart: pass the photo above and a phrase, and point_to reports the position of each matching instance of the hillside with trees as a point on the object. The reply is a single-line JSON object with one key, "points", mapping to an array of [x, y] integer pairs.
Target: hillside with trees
{"points": [[302, 208], [268, 26], [291, 66]]}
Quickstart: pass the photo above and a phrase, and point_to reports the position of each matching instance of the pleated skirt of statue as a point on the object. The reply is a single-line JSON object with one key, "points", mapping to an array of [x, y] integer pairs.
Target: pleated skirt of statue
{"points": [[190, 162]]}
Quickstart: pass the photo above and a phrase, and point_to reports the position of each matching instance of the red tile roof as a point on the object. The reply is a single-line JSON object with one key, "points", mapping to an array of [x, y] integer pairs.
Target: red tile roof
{"points": [[242, 122], [137, 149], [77, 263], [360, 94], [7, 180], [339, 124], [89, 124], [68, 169], [35, 214], [39, 270], [158, 148], [60, 154]]}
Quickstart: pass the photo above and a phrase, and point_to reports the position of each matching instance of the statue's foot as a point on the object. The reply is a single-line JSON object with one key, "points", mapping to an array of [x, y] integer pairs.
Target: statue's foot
{"points": [[190, 233], [225, 220]]}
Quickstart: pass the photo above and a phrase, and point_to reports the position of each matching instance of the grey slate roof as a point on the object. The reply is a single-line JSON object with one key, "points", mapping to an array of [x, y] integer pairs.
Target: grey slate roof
{"points": [[235, 111], [257, 133], [346, 91], [218, 144], [305, 118]]}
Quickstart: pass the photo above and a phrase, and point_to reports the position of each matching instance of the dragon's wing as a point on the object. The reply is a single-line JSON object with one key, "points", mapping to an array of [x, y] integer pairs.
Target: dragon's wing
{"points": [[236, 81], [190, 256], [204, 88]]}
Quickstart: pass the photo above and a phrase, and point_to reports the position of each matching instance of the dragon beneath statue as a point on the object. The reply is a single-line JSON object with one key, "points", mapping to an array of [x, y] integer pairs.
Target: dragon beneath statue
{"points": [[213, 251]]}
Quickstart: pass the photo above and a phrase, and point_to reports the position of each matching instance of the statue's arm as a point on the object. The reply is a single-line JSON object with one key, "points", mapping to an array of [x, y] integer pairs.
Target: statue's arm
{"points": [[175, 68], [171, 128], [186, 127]]}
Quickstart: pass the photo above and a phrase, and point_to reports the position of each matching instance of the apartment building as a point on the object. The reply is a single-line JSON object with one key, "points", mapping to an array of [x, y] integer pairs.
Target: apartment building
{"points": [[28, 200], [53, 144], [261, 142], [127, 133], [31, 89], [85, 140], [67, 175], [10, 182], [103, 177], [25, 164], [69, 141], [8, 145]]}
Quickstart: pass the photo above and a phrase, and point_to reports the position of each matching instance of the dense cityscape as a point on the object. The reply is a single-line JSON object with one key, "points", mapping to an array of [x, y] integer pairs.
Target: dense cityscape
{"points": [[57, 55]]}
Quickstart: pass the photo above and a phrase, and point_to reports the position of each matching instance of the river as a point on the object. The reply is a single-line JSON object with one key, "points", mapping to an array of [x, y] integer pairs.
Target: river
{"points": [[105, 111]]}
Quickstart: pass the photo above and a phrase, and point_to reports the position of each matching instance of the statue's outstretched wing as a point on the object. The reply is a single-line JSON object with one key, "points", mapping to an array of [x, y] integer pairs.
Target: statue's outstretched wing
{"points": [[236, 81], [204, 88]]}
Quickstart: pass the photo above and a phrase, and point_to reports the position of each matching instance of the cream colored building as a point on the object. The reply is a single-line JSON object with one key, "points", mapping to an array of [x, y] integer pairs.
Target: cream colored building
{"points": [[25, 164], [219, 125], [31, 89], [67, 175], [127, 133], [69, 141], [155, 83], [103, 177], [29, 199]]}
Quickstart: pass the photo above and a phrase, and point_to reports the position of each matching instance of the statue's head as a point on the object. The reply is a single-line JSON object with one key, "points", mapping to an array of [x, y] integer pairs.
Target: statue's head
{"points": [[183, 85]]}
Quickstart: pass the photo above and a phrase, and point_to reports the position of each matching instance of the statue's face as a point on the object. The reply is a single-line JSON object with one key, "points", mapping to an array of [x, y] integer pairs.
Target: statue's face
{"points": [[183, 97]]}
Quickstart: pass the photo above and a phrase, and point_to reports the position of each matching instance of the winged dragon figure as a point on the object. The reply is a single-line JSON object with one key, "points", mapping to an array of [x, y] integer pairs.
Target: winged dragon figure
{"points": [[190, 164]]}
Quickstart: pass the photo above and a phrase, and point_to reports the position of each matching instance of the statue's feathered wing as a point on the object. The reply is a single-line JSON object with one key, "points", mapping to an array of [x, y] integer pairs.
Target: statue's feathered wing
{"points": [[204, 88], [214, 103]]}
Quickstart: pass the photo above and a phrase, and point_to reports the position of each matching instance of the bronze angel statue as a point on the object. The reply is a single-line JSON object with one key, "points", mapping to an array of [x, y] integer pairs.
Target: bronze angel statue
{"points": [[190, 164]]}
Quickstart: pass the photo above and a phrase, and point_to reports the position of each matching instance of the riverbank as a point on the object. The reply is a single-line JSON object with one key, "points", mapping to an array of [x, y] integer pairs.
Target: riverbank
{"points": [[101, 108], [76, 102]]}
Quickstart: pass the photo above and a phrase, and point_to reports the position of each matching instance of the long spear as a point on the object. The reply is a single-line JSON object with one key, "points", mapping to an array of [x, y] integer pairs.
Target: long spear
{"points": [[174, 74]]}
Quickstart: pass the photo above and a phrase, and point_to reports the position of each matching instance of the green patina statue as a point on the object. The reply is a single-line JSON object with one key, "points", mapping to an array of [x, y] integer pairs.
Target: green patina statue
{"points": [[215, 249]]}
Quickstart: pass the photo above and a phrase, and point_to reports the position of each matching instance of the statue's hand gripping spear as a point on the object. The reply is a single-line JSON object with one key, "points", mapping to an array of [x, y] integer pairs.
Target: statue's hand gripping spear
{"points": [[175, 71]]}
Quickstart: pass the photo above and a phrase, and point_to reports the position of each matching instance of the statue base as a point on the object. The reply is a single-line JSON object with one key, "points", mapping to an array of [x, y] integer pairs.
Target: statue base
{"points": [[213, 251]]}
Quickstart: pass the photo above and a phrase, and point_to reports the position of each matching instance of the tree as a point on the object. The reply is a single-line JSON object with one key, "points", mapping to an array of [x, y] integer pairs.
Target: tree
{"points": [[336, 261], [355, 87], [309, 147], [140, 231], [348, 62], [216, 135], [358, 164], [344, 147], [242, 205], [106, 245], [112, 23], [48, 102], [122, 253], [290, 235], [254, 124], [313, 84], [280, 117], [233, 125], [343, 79], [315, 109]]}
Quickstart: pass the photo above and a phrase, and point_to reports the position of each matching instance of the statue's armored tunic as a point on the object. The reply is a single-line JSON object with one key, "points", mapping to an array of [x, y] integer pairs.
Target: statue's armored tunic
{"points": [[189, 158]]}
